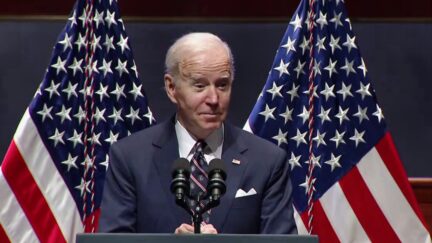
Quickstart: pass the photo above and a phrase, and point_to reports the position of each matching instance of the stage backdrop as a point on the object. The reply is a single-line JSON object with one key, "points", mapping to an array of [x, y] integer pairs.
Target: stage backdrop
{"points": [[398, 56]]}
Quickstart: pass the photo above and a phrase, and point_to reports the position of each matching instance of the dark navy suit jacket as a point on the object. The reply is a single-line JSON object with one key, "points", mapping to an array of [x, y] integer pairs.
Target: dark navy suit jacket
{"points": [[137, 195]]}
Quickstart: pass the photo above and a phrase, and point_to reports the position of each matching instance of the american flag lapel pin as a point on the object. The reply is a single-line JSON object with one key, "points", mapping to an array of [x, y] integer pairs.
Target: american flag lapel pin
{"points": [[236, 161]]}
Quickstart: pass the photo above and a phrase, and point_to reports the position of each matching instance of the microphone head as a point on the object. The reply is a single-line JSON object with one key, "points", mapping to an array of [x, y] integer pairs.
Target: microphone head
{"points": [[181, 165], [217, 166], [217, 175]]}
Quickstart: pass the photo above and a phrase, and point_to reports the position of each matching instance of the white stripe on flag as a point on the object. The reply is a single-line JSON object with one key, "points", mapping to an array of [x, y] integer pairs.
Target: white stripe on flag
{"points": [[47, 177], [301, 228], [341, 216], [390, 199], [247, 127], [12, 218]]}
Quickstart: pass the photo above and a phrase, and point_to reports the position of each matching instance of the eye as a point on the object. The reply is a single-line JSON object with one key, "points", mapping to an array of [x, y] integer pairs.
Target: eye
{"points": [[223, 84]]}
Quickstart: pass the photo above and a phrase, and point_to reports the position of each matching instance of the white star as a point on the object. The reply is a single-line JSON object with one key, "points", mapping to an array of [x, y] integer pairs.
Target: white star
{"points": [[349, 23], [324, 115], [60, 65], [112, 138], [57, 137], [70, 90], [319, 138], [123, 43], [99, 115], [106, 162], [320, 43], [378, 113], [64, 114], [76, 66], [110, 18], [338, 138], [283, 68], [316, 68], [136, 91], [290, 45], [305, 45], [293, 92], [275, 90], [95, 42], [350, 43], [121, 67], [52, 89], [363, 67], [83, 18], [334, 162], [98, 18], [116, 115], [102, 92], [336, 19], [268, 113], [349, 67], [306, 185], [299, 68], [80, 115], [94, 139], [73, 19], [70, 162], [361, 114], [45, 112], [105, 67], [66, 42], [80, 42], [342, 115], [94, 67], [322, 20], [294, 161], [334, 43], [300, 137], [315, 161], [118, 92], [134, 68], [314, 91], [281, 137], [358, 137], [297, 23], [109, 43], [149, 116], [287, 115], [83, 186], [345, 91], [331, 68], [76, 138], [133, 115], [304, 114], [328, 91]]}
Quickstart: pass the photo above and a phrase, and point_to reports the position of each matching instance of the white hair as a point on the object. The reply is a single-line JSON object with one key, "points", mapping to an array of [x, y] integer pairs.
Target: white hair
{"points": [[192, 42]]}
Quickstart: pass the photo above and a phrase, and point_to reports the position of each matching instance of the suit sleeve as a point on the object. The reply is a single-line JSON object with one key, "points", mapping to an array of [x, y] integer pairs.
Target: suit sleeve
{"points": [[277, 208], [118, 208]]}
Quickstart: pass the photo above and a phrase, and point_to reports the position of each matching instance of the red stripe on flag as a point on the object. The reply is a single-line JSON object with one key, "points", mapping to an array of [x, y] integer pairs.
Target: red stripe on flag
{"points": [[366, 208], [390, 156], [88, 222], [3, 236], [29, 197], [321, 225]]}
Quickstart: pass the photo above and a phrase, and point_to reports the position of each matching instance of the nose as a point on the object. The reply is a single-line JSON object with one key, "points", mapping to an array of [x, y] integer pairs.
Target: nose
{"points": [[212, 96]]}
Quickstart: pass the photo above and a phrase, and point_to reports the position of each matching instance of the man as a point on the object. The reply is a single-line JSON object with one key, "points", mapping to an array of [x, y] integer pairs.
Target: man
{"points": [[137, 197]]}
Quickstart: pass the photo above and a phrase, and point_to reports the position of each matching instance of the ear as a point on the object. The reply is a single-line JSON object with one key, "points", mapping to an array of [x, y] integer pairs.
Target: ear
{"points": [[170, 88]]}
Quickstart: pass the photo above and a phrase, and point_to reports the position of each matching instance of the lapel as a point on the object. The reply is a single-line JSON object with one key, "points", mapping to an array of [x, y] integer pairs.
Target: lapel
{"points": [[233, 148], [166, 151]]}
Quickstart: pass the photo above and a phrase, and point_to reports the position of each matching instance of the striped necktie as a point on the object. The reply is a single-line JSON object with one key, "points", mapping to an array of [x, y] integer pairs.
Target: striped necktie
{"points": [[199, 177]]}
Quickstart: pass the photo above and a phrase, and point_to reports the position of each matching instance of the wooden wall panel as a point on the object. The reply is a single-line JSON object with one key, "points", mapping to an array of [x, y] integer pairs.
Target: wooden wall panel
{"points": [[423, 191], [226, 8]]}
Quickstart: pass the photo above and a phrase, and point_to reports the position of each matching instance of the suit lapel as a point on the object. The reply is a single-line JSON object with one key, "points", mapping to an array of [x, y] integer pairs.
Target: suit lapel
{"points": [[166, 152], [233, 149]]}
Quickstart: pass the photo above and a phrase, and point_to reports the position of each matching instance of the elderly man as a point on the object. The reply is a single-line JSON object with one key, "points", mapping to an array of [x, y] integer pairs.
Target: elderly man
{"points": [[137, 197]]}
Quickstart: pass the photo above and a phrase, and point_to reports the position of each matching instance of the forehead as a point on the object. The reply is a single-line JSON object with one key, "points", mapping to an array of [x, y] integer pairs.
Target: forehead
{"points": [[201, 63]]}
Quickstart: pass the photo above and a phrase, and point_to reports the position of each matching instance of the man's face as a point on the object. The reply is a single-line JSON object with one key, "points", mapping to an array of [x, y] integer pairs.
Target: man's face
{"points": [[202, 90]]}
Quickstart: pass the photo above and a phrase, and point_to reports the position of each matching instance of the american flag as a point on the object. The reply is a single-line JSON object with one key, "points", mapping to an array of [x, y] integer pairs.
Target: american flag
{"points": [[51, 179], [319, 105]]}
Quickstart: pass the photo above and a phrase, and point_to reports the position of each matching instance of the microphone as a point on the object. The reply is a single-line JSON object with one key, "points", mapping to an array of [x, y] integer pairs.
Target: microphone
{"points": [[216, 179], [180, 182]]}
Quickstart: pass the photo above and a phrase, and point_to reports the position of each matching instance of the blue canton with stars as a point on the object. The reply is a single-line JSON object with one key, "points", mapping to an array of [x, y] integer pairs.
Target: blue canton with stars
{"points": [[347, 119], [89, 98]]}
